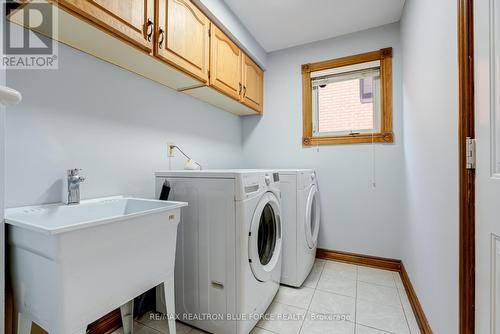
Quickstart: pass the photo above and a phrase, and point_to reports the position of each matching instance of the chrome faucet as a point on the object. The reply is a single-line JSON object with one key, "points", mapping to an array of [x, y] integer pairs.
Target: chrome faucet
{"points": [[73, 181]]}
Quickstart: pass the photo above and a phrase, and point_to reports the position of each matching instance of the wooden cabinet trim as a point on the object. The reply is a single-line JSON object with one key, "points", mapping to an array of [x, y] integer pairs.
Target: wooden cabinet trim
{"points": [[255, 103], [215, 80], [118, 18], [100, 16], [168, 54]]}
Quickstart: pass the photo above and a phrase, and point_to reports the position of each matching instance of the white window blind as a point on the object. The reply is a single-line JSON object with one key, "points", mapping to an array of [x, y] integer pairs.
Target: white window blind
{"points": [[345, 69], [359, 74]]}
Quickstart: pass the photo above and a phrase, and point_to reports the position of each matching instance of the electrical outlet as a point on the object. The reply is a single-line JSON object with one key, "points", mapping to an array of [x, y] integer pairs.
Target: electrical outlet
{"points": [[170, 150]]}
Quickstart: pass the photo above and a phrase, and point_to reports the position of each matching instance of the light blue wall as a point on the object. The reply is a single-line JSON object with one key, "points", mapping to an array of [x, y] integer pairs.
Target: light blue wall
{"points": [[115, 125], [430, 104], [355, 216], [220, 13], [112, 123]]}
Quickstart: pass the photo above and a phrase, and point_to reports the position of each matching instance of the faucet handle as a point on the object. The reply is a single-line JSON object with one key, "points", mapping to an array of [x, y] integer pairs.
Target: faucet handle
{"points": [[74, 171]]}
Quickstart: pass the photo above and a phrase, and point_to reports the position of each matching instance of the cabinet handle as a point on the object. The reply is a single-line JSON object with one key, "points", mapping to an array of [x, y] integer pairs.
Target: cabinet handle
{"points": [[244, 91], [161, 32], [149, 30], [218, 284], [239, 92]]}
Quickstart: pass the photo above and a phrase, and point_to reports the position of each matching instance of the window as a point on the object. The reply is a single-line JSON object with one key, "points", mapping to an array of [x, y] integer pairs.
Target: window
{"points": [[348, 100]]}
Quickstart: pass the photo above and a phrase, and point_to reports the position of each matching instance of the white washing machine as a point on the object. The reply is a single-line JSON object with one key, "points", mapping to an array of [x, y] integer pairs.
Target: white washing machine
{"points": [[301, 219], [229, 244]]}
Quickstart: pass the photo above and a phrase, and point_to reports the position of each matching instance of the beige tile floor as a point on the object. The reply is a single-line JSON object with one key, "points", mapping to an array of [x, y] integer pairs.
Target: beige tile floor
{"points": [[336, 298]]}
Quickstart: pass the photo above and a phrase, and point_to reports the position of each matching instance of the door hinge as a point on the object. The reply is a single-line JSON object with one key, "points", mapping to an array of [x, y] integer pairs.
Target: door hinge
{"points": [[209, 32], [209, 74], [470, 153]]}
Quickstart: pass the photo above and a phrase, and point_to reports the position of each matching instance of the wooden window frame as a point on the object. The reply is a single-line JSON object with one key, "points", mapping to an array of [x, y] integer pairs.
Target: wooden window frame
{"points": [[385, 135]]}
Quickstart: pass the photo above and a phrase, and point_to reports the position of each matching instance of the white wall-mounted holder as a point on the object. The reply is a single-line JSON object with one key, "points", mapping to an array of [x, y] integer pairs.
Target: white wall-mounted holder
{"points": [[9, 96], [190, 163]]}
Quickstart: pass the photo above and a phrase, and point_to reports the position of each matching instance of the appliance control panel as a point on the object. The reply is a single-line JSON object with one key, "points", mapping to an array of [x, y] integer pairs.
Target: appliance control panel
{"points": [[276, 177]]}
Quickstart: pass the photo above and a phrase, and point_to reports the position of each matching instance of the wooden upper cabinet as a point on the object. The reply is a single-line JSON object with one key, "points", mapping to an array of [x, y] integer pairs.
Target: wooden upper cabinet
{"points": [[225, 64], [253, 84], [177, 33], [182, 37], [130, 20]]}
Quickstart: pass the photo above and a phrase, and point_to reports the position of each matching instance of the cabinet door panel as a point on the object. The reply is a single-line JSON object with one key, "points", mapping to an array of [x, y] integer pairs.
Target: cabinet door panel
{"points": [[127, 19], [185, 40], [225, 64], [252, 94]]}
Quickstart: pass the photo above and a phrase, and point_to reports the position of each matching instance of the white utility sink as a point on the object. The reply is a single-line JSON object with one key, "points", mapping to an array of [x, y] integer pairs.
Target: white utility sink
{"points": [[72, 264]]}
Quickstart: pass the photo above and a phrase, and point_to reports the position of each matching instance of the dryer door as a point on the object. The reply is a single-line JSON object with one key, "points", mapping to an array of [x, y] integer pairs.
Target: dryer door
{"points": [[312, 217], [264, 237]]}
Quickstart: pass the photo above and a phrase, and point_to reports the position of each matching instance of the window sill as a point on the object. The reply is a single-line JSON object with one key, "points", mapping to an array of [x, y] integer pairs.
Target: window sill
{"points": [[387, 137]]}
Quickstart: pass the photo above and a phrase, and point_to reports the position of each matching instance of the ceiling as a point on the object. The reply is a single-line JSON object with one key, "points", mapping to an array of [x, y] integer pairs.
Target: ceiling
{"points": [[279, 24]]}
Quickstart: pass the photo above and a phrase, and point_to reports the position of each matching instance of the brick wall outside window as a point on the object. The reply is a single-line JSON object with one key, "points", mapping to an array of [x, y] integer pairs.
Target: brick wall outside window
{"points": [[340, 108]]}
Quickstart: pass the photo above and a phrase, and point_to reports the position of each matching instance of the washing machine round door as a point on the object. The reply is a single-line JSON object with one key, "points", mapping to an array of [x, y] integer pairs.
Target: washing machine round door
{"points": [[312, 217], [264, 237]]}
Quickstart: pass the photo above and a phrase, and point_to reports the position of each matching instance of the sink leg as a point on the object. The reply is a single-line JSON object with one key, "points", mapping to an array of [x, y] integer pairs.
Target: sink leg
{"points": [[127, 313], [23, 324], [168, 286]]}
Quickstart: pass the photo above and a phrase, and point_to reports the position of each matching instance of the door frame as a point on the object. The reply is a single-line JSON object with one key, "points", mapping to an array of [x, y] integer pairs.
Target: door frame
{"points": [[467, 249]]}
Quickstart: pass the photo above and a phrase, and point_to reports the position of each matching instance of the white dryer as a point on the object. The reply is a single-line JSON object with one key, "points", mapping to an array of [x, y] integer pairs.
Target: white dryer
{"points": [[301, 219], [229, 244]]}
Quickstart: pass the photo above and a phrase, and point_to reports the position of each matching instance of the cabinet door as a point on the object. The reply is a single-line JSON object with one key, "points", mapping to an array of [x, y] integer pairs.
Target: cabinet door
{"points": [[225, 64], [253, 83], [183, 39], [130, 20]]}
